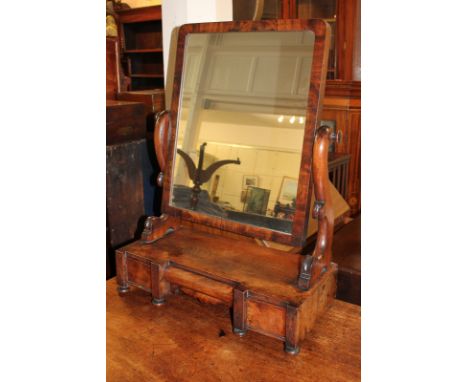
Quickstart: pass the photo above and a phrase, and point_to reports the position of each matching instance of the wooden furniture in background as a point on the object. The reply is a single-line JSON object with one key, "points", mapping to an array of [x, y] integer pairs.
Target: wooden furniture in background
{"points": [[153, 100], [272, 292], [342, 15], [140, 33], [347, 255], [342, 104], [112, 68], [338, 168], [146, 343], [124, 122], [125, 135], [141, 57], [154, 103]]}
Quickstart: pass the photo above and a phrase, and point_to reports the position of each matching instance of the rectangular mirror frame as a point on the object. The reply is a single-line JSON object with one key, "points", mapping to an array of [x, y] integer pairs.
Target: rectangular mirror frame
{"points": [[316, 92]]}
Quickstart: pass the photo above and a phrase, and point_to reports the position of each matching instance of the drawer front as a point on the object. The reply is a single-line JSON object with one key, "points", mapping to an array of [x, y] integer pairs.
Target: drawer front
{"points": [[139, 273], [266, 318]]}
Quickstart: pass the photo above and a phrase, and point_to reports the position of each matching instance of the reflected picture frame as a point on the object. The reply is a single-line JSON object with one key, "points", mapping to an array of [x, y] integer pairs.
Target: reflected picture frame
{"points": [[288, 190], [256, 200]]}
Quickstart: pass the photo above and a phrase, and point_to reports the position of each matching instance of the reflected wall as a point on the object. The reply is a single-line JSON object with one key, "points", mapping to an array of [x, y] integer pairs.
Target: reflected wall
{"points": [[241, 125]]}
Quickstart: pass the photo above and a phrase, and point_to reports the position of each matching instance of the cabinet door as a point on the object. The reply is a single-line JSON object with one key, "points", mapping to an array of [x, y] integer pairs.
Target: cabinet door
{"points": [[321, 9], [345, 21], [259, 9], [342, 15]]}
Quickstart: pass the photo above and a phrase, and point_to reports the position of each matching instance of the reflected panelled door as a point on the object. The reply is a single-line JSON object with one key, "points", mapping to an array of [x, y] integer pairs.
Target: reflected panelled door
{"points": [[244, 98], [246, 109]]}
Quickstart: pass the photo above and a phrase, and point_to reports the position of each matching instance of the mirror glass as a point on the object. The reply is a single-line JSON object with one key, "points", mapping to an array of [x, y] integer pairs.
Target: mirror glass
{"points": [[241, 125]]}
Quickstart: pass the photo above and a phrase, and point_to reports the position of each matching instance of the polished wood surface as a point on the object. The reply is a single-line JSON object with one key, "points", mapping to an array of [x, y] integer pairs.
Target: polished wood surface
{"points": [[156, 227], [257, 282], [346, 89], [140, 14], [313, 264], [162, 131], [267, 270], [185, 340]]}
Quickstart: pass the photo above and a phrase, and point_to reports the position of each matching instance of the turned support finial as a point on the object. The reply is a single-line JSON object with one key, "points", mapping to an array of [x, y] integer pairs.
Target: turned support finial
{"points": [[157, 227], [162, 130], [314, 264]]}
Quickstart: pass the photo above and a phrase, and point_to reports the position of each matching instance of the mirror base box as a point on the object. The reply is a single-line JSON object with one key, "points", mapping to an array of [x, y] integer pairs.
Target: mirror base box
{"points": [[257, 282]]}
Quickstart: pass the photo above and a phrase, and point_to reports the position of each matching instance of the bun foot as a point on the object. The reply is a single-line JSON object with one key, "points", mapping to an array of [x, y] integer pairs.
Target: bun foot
{"points": [[158, 301], [239, 332], [293, 350]]}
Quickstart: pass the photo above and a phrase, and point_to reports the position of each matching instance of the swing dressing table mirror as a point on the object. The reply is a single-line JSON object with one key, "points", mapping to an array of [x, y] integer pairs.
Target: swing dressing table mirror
{"points": [[241, 152]]}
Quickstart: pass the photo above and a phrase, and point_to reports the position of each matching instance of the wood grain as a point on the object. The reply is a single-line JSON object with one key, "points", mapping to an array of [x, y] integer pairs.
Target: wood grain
{"points": [[187, 341], [258, 282], [313, 264], [266, 318], [212, 288], [140, 14], [125, 121], [162, 129], [257, 268]]}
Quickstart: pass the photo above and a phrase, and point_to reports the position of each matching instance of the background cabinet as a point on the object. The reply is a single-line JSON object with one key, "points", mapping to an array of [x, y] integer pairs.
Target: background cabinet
{"points": [[140, 33], [125, 145], [342, 15], [140, 58], [342, 105]]}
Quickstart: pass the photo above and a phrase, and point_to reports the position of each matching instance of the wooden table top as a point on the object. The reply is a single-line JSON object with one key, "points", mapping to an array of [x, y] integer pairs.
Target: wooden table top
{"points": [[185, 340]]}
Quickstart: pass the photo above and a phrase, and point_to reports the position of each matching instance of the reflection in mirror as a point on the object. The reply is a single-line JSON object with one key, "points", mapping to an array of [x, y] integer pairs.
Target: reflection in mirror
{"points": [[241, 125]]}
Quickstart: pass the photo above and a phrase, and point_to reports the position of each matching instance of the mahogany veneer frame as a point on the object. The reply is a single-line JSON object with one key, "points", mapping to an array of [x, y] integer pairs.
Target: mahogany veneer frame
{"points": [[298, 235]]}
